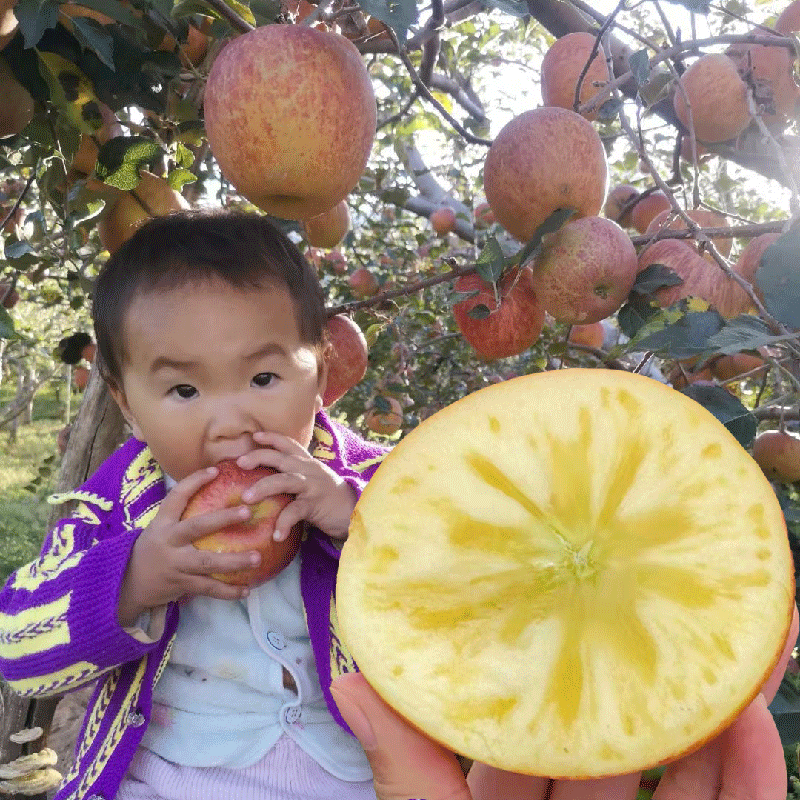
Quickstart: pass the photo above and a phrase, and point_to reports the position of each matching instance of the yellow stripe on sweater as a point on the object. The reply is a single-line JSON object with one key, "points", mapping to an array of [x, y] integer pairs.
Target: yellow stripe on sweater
{"points": [[56, 682], [35, 629]]}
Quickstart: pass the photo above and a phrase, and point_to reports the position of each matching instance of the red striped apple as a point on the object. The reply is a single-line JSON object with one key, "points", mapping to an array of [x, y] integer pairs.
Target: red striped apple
{"points": [[225, 491]]}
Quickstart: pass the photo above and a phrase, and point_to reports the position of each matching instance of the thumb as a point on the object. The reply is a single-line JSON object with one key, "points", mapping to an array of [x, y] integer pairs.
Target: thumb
{"points": [[405, 763]]}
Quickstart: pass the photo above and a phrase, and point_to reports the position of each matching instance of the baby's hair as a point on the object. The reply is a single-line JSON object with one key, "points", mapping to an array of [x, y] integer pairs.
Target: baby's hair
{"points": [[243, 249]]}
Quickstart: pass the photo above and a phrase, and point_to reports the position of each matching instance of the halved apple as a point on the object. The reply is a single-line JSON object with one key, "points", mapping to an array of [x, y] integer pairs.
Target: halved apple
{"points": [[575, 574]]}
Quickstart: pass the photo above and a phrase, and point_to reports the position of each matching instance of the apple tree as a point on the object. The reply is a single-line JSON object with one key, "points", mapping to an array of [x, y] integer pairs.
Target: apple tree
{"points": [[536, 185]]}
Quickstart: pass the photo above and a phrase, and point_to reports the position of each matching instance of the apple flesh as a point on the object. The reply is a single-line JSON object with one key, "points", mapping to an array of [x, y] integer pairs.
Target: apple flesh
{"points": [[225, 491]]}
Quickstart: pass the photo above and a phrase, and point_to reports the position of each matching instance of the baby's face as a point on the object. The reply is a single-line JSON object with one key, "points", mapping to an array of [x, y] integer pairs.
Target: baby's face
{"points": [[207, 365]]}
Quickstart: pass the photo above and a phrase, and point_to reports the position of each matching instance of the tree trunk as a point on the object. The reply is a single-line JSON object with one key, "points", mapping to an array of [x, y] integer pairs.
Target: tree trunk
{"points": [[97, 431], [30, 380]]}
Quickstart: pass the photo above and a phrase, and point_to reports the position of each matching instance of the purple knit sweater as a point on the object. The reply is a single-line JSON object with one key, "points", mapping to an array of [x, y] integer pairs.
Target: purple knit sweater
{"points": [[58, 615]]}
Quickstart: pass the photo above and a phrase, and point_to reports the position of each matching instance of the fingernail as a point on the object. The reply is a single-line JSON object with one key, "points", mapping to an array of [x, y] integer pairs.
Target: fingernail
{"points": [[247, 496], [355, 718], [277, 536], [255, 559], [244, 512]]}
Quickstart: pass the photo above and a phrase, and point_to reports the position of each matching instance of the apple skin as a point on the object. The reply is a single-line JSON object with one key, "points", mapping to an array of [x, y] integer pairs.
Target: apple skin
{"points": [[778, 455], [225, 491], [290, 115], [643, 213], [771, 71], [363, 283], [542, 160], [585, 270], [119, 222], [704, 217], [484, 216], [443, 220], [385, 423], [347, 357], [701, 278], [718, 97], [17, 107], [591, 335], [562, 66], [617, 199], [327, 230], [789, 19], [509, 329]]}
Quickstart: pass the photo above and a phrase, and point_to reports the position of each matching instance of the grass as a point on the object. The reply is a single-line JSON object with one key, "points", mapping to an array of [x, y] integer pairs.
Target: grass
{"points": [[27, 474]]}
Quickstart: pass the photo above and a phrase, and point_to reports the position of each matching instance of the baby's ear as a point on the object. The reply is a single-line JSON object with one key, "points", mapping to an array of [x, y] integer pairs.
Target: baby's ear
{"points": [[121, 400]]}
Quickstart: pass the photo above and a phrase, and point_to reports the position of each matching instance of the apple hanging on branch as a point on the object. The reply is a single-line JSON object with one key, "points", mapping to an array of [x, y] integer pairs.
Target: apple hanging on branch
{"points": [[346, 355], [290, 116]]}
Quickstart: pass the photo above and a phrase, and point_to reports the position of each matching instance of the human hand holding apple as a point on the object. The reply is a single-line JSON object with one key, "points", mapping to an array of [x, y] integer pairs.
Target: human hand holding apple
{"points": [[164, 565]]}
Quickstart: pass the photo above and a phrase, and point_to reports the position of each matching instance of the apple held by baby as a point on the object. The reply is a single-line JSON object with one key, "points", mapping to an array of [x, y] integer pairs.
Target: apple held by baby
{"points": [[255, 533]]}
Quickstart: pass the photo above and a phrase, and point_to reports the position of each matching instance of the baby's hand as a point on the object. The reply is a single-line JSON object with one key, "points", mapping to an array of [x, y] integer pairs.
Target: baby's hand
{"points": [[165, 565], [321, 496]]}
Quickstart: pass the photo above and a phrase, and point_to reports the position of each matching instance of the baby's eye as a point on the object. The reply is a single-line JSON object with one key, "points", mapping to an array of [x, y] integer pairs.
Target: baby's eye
{"points": [[264, 378], [184, 391]]}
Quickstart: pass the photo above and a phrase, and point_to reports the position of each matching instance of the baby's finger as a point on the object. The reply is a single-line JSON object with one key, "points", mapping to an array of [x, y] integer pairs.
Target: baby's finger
{"points": [[620, 787], [277, 441], [295, 512], [209, 587], [279, 483], [174, 504], [193, 528], [194, 561]]}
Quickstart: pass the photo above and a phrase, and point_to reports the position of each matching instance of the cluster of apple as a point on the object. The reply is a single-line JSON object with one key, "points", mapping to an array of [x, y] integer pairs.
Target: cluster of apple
{"points": [[552, 158]]}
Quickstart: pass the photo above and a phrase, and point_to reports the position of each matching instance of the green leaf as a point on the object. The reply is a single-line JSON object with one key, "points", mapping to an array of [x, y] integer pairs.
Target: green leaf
{"points": [[491, 261], [555, 221], [71, 92], [516, 8], [639, 63], [91, 35], [120, 158], [399, 15], [6, 325], [609, 110], [479, 312], [727, 409], [382, 405], [699, 6], [178, 177], [654, 277], [35, 17], [745, 332], [656, 89], [634, 315], [14, 250], [396, 196], [688, 336], [778, 279]]}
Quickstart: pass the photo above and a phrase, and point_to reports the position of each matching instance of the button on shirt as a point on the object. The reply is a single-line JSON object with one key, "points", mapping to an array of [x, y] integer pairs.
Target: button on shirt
{"points": [[222, 698]]}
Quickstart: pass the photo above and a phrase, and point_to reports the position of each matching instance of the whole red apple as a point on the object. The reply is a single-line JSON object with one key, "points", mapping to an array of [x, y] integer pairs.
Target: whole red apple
{"points": [[383, 422], [591, 335], [225, 491], [80, 377], [443, 220], [778, 455], [511, 327], [290, 115], [363, 282], [643, 213], [347, 357], [585, 270]]}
